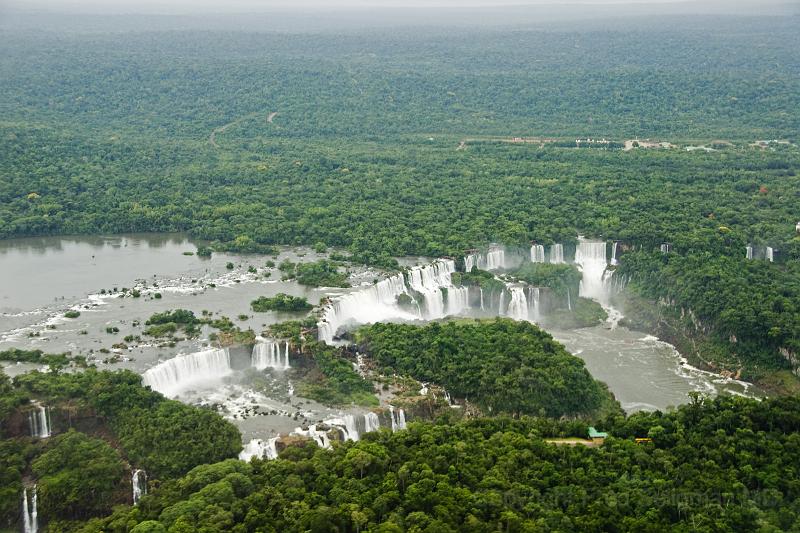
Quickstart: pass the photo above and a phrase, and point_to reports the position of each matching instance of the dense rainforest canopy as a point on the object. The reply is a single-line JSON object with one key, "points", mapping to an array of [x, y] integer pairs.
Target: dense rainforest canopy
{"points": [[503, 366], [425, 142], [78, 471], [729, 464], [402, 143]]}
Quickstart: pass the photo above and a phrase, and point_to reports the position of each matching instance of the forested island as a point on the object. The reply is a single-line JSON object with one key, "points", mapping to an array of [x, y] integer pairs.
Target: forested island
{"points": [[392, 237]]}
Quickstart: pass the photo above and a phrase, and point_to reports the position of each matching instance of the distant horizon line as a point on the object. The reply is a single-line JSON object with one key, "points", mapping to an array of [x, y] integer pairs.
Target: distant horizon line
{"points": [[81, 8]]}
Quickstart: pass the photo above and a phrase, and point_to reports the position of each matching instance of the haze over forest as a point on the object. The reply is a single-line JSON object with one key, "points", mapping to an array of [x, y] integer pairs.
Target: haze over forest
{"points": [[382, 266]]}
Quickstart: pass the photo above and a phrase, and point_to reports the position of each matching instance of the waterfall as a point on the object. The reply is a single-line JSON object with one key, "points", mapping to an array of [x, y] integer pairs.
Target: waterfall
{"points": [[398, 419], [429, 280], [139, 484], [267, 354], [665, 248], [591, 257], [569, 300], [347, 425], [320, 437], [557, 254], [30, 516], [482, 308], [537, 253], [770, 254], [502, 303], [263, 449], [457, 300], [371, 422], [469, 262], [518, 306], [39, 422], [534, 310], [431, 284], [177, 374], [495, 259], [376, 303], [614, 252], [749, 253]]}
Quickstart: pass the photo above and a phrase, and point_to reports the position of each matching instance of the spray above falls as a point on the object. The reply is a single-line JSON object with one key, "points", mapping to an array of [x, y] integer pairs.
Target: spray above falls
{"points": [[180, 373], [267, 354], [429, 287], [591, 257]]}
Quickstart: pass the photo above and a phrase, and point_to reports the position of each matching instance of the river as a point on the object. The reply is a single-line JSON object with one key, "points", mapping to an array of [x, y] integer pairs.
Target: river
{"points": [[45, 277]]}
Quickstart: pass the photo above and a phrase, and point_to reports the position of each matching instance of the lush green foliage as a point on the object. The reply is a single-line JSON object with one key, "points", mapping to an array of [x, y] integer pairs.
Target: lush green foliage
{"points": [[376, 149], [749, 308], [103, 423], [559, 278], [177, 316], [140, 418], [348, 161], [478, 278], [502, 365], [37, 356], [13, 463], [725, 465], [333, 380], [169, 322], [77, 476], [584, 313], [280, 302], [322, 273]]}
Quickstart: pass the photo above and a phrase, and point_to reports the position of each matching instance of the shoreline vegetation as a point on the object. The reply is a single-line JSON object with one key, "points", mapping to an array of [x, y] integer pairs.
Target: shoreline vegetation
{"points": [[670, 140]]}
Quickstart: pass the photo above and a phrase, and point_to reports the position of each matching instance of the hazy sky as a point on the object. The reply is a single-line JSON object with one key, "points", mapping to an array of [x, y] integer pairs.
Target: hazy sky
{"points": [[193, 6]]}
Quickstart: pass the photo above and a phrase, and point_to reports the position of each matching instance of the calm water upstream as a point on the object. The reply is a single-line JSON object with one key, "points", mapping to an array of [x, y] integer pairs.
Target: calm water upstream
{"points": [[44, 277]]}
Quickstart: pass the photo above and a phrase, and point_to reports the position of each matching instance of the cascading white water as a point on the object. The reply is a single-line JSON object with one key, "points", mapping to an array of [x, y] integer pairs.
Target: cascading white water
{"points": [[614, 253], [347, 425], [569, 300], [591, 257], [267, 354], [457, 300], [470, 261], [320, 437], [263, 449], [398, 419], [482, 308], [557, 254], [373, 304], [371, 422], [537, 253], [501, 307], [665, 248], [30, 514], [534, 309], [139, 484], [749, 252], [39, 422], [495, 259], [770, 254], [429, 280], [177, 374], [518, 306]]}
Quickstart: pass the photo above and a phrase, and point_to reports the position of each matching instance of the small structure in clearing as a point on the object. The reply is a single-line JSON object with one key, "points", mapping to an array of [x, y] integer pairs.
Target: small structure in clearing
{"points": [[598, 437]]}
